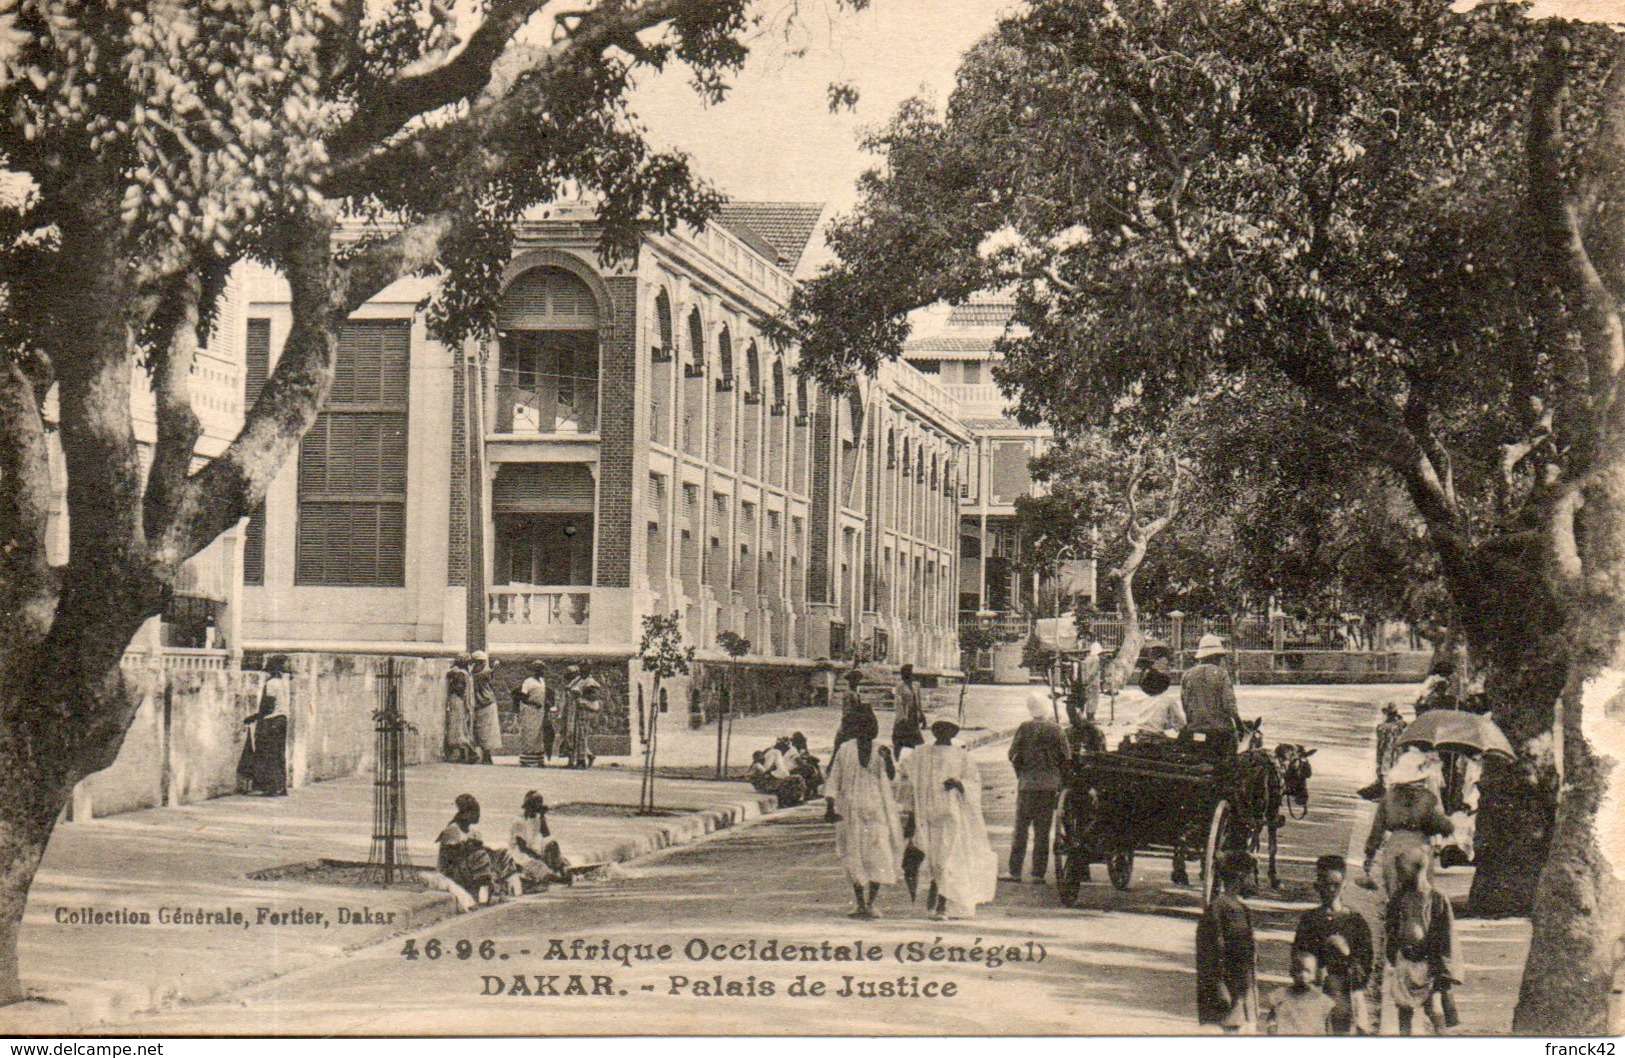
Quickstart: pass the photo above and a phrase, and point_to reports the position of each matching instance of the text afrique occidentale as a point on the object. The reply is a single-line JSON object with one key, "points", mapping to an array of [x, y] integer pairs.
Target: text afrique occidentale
{"points": [[988, 953]]}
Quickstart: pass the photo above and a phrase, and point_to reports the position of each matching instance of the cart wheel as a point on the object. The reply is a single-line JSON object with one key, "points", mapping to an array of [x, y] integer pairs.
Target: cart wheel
{"points": [[1215, 848], [1072, 843], [1120, 869]]}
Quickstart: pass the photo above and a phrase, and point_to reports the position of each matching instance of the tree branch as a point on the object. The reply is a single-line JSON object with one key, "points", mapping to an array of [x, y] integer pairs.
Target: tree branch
{"points": [[1558, 218], [1514, 453], [178, 424], [509, 93], [460, 79], [324, 293]]}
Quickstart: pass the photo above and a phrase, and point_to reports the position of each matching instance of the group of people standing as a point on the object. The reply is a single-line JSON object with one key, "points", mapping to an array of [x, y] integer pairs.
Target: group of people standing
{"points": [[1339, 983], [473, 729], [1331, 961], [550, 722], [907, 808]]}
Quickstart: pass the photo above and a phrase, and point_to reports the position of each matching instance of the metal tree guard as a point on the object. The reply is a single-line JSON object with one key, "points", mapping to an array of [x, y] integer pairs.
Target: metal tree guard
{"points": [[389, 862]]}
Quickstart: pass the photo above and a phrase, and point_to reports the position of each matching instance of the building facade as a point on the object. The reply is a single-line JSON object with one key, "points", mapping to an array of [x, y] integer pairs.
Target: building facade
{"points": [[993, 588], [628, 444]]}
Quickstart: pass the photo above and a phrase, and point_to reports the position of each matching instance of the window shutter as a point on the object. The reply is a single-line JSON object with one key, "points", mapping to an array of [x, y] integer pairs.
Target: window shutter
{"points": [[547, 298], [352, 465]]}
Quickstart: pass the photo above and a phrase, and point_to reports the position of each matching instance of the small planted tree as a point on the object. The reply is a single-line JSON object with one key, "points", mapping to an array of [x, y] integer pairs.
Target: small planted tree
{"points": [[735, 646], [663, 655]]}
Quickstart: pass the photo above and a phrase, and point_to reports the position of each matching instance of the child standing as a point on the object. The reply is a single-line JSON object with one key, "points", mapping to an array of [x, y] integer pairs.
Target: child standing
{"points": [[1421, 945], [1299, 1009], [1226, 982], [1340, 941]]}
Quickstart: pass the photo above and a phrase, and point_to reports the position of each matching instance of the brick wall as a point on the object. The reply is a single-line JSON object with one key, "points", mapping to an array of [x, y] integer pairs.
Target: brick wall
{"points": [[821, 516], [609, 729], [622, 462], [752, 689], [457, 539]]}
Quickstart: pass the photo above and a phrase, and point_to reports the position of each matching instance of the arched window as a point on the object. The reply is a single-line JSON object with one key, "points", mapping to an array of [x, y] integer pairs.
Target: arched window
{"points": [[725, 362], [693, 387], [696, 342], [664, 346], [547, 379], [662, 353], [801, 401], [933, 471], [906, 461], [753, 374], [891, 448], [778, 387]]}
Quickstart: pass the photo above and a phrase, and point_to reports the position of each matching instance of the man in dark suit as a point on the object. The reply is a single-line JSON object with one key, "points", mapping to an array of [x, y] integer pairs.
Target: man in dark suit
{"points": [[1040, 754]]}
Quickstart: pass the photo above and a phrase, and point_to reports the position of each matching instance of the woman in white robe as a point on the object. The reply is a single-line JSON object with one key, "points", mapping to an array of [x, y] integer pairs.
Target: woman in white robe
{"points": [[941, 791], [868, 829]]}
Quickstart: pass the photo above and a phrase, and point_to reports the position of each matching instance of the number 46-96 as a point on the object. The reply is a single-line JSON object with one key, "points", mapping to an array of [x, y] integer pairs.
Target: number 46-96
{"points": [[463, 949]]}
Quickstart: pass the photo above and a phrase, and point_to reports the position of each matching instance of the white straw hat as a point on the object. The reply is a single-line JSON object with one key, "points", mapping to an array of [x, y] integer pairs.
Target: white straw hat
{"points": [[1209, 646]]}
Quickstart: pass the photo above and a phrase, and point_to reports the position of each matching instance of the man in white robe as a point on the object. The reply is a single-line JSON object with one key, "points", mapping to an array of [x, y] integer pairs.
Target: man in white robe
{"points": [[868, 830], [940, 790]]}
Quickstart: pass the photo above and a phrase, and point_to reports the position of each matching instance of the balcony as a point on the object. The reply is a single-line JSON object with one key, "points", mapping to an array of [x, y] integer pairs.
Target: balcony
{"points": [[531, 404], [979, 400], [522, 614]]}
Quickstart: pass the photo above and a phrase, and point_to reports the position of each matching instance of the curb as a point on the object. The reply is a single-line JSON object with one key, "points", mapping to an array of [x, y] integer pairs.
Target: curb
{"points": [[988, 737], [79, 1008]]}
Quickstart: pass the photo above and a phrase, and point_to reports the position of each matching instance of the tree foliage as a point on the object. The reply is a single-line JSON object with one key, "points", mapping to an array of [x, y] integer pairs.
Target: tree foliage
{"points": [[147, 147], [1409, 217]]}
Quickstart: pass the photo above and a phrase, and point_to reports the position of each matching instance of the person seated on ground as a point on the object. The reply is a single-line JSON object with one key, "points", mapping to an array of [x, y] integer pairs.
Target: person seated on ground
{"points": [[1299, 1009], [532, 847], [771, 773], [466, 867], [807, 766]]}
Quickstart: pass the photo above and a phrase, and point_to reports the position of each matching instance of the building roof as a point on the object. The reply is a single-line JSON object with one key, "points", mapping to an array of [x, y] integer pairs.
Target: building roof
{"points": [[995, 313], [947, 343], [785, 227], [994, 424]]}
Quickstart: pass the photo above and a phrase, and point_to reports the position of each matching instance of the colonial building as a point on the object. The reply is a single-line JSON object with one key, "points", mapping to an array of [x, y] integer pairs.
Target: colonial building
{"points": [[637, 448], [955, 346]]}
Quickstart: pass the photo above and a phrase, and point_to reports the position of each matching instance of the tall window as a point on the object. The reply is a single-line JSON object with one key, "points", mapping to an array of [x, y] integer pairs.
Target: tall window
{"points": [[547, 381], [257, 368], [352, 465], [661, 358]]}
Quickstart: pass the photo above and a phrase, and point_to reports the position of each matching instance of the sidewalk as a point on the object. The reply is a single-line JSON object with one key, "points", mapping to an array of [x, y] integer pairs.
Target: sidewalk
{"points": [[199, 858], [991, 712], [91, 964], [1492, 950]]}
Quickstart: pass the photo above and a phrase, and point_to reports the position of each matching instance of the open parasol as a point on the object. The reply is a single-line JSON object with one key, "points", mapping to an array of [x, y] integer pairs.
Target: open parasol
{"points": [[1453, 729]]}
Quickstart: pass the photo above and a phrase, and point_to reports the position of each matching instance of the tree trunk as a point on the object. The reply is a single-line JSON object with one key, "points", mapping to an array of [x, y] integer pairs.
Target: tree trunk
{"points": [[1128, 655], [48, 742], [1575, 952], [1511, 623], [27, 817]]}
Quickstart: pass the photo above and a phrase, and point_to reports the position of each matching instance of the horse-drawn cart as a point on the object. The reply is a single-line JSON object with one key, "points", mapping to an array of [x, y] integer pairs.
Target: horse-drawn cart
{"points": [[1165, 795]]}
